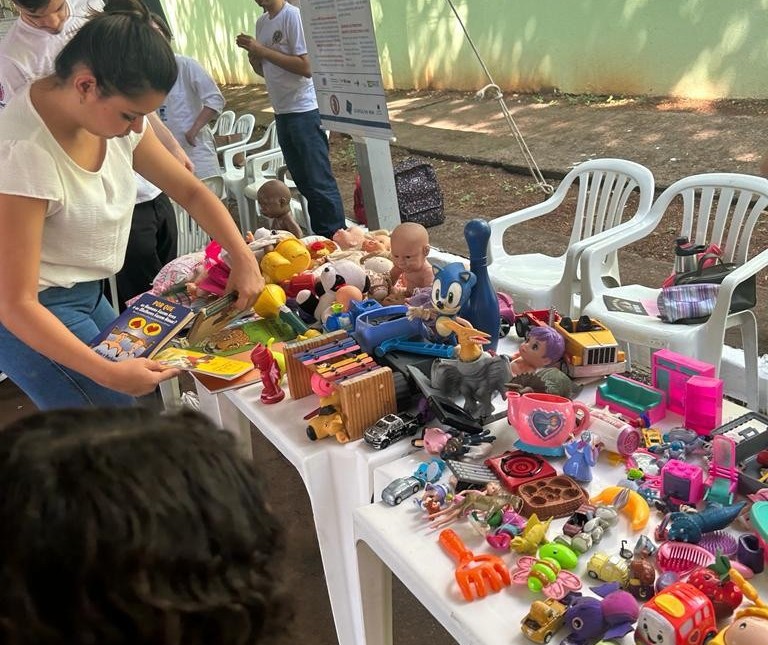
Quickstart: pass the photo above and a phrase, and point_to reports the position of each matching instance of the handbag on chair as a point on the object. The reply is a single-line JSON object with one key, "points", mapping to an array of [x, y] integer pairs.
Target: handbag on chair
{"points": [[692, 298]]}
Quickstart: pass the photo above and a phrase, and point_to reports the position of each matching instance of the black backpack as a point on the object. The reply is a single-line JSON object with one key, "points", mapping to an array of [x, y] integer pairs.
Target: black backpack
{"points": [[419, 196]]}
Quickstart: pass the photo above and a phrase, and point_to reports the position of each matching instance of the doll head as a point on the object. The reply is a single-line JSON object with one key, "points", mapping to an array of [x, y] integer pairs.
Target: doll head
{"points": [[410, 246], [274, 199], [543, 346], [376, 242], [349, 238]]}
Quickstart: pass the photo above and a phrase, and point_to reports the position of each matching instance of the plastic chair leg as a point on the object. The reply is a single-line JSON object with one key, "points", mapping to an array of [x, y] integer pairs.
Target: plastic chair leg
{"points": [[748, 328]]}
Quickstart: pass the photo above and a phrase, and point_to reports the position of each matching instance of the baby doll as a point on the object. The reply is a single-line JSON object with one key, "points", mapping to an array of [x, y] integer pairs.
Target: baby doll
{"points": [[377, 242], [349, 238], [542, 347], [410, 247], [274, 199]]}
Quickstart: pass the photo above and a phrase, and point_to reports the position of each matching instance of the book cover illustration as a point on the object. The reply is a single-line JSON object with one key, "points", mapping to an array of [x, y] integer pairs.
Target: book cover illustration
{"points": [[202, 363], [212, 318], [142, 329]]}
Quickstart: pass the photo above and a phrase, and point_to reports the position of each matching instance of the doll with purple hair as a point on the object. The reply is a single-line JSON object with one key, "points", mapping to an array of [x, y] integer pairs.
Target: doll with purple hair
{"points": [[543, 346]]}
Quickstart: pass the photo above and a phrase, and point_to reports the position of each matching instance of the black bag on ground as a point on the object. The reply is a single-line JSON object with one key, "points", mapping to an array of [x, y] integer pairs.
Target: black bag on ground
{"points": [[419, 196], [744, 295]]}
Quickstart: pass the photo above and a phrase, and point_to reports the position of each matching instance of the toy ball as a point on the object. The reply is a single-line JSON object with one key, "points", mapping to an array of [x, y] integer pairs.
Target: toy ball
{"points": [[664, 580]]}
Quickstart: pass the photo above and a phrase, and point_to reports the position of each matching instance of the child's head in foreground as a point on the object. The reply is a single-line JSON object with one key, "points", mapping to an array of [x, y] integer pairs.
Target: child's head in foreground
{"points": [[128, 527]]}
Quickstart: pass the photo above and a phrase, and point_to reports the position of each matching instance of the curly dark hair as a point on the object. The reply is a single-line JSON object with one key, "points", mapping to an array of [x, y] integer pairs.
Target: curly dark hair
{"points": [[129, 528]]}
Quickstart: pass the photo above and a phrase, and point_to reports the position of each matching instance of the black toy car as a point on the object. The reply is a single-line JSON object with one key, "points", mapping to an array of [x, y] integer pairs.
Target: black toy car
{"points": [[391, 428]]}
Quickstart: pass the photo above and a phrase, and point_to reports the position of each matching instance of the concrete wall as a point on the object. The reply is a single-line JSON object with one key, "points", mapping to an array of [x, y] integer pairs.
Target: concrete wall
{"points": [[694, 48]]}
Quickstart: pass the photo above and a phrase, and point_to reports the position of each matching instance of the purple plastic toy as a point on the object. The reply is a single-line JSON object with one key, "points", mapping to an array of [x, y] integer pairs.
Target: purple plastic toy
{"points": [[592, 619]]}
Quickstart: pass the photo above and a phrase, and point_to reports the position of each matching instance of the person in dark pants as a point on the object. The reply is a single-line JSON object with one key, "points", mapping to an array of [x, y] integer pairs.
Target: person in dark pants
{"points": [[279, 54], [152, 242]]}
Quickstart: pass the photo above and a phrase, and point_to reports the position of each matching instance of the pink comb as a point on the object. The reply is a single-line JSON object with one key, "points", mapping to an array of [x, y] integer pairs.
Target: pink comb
{"points": [[682, 558]]}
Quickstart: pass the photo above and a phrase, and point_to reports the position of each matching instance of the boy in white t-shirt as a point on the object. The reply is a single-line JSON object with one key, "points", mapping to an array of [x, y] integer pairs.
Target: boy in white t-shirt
{"points": [[279, 54]]}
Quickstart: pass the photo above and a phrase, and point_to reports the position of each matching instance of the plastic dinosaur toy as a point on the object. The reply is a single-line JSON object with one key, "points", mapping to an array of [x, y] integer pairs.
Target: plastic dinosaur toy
{"points": [[469, 341], [476, 375], [681, 526]]}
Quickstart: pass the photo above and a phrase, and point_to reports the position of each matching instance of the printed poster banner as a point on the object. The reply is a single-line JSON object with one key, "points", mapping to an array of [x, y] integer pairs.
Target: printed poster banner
{"points": [[345, 67]]}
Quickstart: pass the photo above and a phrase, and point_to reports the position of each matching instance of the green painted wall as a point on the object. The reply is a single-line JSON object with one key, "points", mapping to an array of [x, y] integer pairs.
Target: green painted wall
{"points": [[694, 48]]}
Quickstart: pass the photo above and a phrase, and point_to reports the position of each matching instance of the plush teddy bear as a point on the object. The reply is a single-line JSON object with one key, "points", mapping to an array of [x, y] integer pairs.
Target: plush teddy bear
{"points": [[329, 277], [378, 267]]}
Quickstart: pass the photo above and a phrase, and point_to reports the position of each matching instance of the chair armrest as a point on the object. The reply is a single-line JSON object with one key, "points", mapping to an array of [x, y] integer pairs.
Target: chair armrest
{"points": [[259, 160], [729, 284], [500, 224], [594, 253], [239, 148]]}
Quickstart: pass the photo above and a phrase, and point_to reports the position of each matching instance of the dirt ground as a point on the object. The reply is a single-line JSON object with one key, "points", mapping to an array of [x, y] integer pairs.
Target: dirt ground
{"points": [[489, 189]]}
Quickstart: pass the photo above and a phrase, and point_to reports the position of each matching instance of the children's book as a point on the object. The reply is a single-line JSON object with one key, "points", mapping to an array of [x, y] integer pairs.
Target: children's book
{"points": [[143, 329], [212, 318], [202, 363], [215, 385]]}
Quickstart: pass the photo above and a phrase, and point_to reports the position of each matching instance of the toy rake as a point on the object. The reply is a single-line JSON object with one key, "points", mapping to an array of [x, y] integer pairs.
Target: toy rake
{"points": [[474, 573]]}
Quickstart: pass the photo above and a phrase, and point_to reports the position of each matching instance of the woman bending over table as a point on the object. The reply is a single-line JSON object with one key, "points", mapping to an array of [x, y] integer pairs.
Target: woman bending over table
{"points": [[68, 146]]}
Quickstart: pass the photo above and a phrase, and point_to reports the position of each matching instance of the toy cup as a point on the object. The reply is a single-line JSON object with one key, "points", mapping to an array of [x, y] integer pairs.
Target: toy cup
{"points": [[545, 421]]}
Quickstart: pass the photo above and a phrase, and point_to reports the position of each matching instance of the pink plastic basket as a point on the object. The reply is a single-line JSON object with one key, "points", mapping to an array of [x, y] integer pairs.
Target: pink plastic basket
{"points": [[682, 558]]}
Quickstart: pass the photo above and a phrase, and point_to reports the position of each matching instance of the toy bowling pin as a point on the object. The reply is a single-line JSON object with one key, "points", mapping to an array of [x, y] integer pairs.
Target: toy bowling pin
{"points": [[482, 309]]}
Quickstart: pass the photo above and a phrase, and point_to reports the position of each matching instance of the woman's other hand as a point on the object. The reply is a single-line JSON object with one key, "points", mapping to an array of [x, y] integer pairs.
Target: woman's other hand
{"points": [[137, 376]]}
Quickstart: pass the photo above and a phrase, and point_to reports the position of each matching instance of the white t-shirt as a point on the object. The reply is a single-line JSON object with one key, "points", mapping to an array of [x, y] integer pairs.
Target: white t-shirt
{"points": [[194, 89], [89, 213], [288, 92], [27, 53]]}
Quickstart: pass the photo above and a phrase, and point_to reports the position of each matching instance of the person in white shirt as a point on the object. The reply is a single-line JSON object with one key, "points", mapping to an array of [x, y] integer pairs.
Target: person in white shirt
{"points": [[193, 102], [279, 54], [26, 53], [73, 140]]}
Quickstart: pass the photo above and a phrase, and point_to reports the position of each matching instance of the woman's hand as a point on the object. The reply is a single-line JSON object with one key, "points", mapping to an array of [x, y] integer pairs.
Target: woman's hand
{"points": [[137, 376]]}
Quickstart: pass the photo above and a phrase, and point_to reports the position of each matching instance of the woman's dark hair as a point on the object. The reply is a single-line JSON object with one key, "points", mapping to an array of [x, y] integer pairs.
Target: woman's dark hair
{"points": [[132, 528], [126, 54], [32, 5], [162, 26]]}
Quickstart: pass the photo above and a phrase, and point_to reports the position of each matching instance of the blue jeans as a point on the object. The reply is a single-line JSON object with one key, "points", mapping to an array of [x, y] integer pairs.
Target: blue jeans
{"points": [[305, 149], [85, 311]]}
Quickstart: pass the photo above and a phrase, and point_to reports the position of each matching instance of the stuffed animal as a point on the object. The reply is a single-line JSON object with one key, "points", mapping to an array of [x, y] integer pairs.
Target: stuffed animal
{"points": [[328, 278], [378, 266]]}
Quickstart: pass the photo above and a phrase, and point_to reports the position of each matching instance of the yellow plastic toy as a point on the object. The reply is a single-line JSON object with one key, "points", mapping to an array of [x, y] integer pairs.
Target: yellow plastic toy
{"points": [[636, 508], [289, 258], [750, 624]]}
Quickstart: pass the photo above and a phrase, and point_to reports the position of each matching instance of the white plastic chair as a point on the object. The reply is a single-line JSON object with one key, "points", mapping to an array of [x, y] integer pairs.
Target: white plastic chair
{"points": [[224, 123], [538, 281], [243, 127], [191, 237], [235, 180], [718, 208]]}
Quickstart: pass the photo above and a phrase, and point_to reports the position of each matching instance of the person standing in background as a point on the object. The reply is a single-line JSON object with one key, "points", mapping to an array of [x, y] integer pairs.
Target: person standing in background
{"points": [[279, 54], [192, 103]]}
